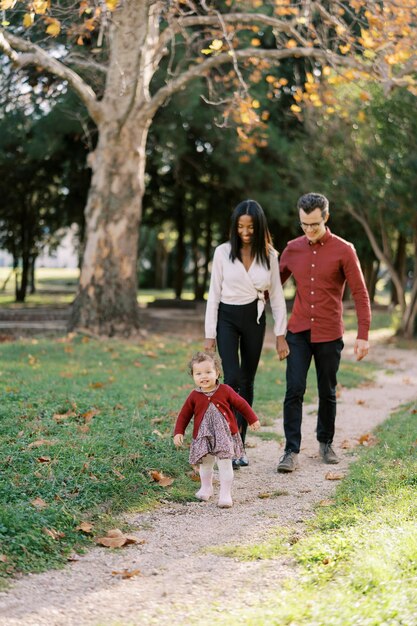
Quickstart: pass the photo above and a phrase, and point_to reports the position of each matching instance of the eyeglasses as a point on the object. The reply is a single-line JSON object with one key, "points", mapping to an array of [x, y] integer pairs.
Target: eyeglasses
{"points": [[314, 226]]}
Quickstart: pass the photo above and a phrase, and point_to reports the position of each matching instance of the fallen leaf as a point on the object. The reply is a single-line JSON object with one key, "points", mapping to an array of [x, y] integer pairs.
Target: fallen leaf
{"points": [[44, 459], [96, 385], [83, 428], [85, 527], [263, 496], [367, 440], [163, 481], [38, 503], [326, 502], [137, 364], [333, 476], [125, 573], [194, 476], [41, 442], [88, 416], [345, 445], [54, 534], [58, 417], [118, 474], [116, 539], [3, 558], [392, 361]]}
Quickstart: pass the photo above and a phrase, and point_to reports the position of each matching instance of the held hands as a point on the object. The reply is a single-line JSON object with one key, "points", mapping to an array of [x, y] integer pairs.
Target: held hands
{"points": [[178, 440], [255, 426], [282, 347], [361, 349]]}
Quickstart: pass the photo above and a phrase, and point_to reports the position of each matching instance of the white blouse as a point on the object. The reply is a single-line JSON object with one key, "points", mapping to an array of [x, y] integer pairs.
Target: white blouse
{"points": [[231, 284]]}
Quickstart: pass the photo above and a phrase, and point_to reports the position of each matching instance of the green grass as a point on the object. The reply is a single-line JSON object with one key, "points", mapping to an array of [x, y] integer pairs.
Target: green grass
{"points": [[91, 467], [356, 564]]}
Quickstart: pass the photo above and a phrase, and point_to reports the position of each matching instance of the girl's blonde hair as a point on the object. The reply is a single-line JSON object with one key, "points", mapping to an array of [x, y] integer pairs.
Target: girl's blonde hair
{"points": [[199, 357]]}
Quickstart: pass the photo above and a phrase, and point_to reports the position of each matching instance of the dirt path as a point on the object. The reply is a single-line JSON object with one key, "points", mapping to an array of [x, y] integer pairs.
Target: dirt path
{"points": [[178, 579]]}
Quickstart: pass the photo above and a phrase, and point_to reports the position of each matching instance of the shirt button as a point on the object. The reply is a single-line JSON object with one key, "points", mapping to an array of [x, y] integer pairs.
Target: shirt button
{"points": [[312, 279], [312, 293], [312, 265], [312, 319], [315, 252], [312, 306]]}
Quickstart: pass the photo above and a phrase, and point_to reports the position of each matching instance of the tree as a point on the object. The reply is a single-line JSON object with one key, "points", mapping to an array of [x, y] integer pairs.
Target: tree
{"points": [[43, 184], [110, 52]]}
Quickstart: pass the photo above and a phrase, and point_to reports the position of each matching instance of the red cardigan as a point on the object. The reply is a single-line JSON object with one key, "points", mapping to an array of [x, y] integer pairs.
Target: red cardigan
{"points": [[225, 399]]}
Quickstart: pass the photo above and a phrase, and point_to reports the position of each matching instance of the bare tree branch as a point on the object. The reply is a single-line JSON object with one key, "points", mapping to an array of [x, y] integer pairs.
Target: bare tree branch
{"points": [[201, 69], [35, 55]]}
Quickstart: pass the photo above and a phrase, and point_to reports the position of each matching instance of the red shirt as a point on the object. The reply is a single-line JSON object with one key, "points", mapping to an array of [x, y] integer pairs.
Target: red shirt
{"points": [[225, 399], [321, 271]]}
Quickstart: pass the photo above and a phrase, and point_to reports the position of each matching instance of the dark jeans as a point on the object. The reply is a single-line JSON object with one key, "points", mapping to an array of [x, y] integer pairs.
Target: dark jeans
{"points": [[238, 332], [326, 358]]}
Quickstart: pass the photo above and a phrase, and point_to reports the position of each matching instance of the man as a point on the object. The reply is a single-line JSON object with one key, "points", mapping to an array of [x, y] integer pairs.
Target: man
{"points": [[321, 264]]}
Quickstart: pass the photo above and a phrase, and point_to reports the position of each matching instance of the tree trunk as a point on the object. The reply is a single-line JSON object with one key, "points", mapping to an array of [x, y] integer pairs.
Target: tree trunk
{"points": [[400, 266], [106, 302], [180, 251]]}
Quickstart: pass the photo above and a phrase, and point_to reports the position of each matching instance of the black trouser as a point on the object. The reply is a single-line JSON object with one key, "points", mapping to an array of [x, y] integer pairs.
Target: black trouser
{"points": [[238, 331], [326, 356]]}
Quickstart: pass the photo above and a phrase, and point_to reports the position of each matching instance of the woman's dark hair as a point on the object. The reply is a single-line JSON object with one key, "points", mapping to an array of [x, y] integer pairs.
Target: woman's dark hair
{"points": [[261, 241]]}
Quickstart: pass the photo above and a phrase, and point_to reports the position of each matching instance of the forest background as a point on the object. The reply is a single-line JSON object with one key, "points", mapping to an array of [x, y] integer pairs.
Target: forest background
{"points": [[265, 129]]}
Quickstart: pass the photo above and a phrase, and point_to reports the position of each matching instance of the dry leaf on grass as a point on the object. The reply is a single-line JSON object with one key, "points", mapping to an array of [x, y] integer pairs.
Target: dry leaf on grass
{"points": [[334, 476], [54, 534], [88, 416], [158, 477], [116, 539], [360, 402], [38, 503], [41, 442], [44, 459], [195, 476], [125, 573], [3, 558], [59, 417], [367, 440], [85, 527], [326, 502], [263, 496]]}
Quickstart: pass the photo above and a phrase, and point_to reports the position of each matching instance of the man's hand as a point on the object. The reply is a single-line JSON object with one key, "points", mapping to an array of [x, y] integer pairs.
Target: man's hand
{"points": [[255, 426], [361, 349], [209, 345], [178, 440], [282, 347]]}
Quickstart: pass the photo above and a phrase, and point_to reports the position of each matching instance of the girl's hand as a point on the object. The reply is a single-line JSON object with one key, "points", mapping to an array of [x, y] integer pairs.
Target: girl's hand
{"points": [[210, 345], [178, 440], [255, 426]]}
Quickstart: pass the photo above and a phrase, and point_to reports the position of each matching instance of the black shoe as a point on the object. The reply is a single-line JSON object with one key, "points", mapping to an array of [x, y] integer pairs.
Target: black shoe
{"points": [[236, 464], [243, 461]]}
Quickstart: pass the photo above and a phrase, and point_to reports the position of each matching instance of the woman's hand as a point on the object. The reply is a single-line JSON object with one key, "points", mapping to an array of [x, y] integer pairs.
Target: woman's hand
{"points": [[255, 426], [178, 440], [210, 345], [282, 347]]}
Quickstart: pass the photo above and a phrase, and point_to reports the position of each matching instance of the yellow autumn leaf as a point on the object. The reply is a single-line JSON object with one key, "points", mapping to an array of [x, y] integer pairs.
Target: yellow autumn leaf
{"points": [[256, 104], [112, 4], [295, 108], [40, 6], [7, 4], [216, 44], [28, 19], [54, 28], [255, 41], [291, 43]]}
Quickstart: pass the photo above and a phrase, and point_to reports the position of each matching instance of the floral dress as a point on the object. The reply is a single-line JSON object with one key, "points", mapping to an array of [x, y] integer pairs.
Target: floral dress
{"points": [[214, 436]]}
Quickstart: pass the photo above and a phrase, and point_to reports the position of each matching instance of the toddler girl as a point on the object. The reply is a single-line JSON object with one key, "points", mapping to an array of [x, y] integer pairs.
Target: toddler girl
{"points": [[215, 433]]}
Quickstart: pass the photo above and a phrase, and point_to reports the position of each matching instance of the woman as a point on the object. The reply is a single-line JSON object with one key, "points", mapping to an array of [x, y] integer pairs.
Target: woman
{"points": [[244, 273]]}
